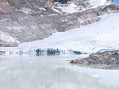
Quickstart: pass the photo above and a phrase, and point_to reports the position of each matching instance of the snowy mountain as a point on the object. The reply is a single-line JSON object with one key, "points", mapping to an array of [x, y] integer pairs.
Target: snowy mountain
{"points": [[99, 36], [92, 38], [30, 20]]}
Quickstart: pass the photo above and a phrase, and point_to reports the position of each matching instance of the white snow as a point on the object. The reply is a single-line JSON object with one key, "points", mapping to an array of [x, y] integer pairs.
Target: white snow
{"points": [[7, 38], [71, 8], [92, 38], [95, 3], [56, 10], [100, 35], [26, 10]]}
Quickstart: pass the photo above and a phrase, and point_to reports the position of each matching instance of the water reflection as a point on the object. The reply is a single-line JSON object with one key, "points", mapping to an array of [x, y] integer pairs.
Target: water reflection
{"points": [[51, 72]]}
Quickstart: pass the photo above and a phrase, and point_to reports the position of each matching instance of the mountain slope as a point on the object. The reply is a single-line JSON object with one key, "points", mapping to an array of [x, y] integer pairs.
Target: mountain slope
{"points": [[92, 38], [30, 20], [99, 36]]}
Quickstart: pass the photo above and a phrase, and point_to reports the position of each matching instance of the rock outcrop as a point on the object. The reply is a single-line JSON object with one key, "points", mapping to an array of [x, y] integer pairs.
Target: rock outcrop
{"points": [[108, 60]]}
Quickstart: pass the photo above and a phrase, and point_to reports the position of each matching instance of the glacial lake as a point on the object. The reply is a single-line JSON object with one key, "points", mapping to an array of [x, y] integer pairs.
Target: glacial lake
{"points": [[53, 72]]}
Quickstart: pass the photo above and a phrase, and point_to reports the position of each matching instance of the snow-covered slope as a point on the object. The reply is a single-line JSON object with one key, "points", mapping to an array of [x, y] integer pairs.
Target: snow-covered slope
{"points": [[92, 38], [80, 5], [71, 8], [31, 20], [95, 3]]}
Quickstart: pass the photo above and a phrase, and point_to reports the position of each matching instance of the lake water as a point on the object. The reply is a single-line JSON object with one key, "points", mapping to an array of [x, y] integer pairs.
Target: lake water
{"points": [[53, 72]]}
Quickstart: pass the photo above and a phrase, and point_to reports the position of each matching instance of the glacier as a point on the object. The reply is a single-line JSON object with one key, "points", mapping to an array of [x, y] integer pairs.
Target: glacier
{"points": [[99, 36]]}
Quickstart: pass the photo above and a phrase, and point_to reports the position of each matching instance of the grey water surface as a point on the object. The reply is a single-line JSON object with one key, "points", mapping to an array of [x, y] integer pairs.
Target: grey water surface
{"points": [[53, 72]]}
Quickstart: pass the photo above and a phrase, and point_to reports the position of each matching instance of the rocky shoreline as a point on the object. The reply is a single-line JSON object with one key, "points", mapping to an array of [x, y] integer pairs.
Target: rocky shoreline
{"points": [[101, 60]]}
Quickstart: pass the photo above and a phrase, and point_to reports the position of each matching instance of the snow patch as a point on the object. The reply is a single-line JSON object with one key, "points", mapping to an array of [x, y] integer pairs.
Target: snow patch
{"points": [[71, 8], [26, 10], [96, 3], [7, 38]]}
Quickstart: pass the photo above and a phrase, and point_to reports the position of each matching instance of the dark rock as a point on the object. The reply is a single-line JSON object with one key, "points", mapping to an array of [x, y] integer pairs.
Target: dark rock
{"points": [[2, 52], [77, 52], [53, 51], [62, 1], [110, 58]]}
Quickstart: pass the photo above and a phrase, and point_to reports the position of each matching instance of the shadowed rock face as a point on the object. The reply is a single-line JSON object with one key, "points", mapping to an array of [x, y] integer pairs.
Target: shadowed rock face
{"points": [[29, 20], [104, 58], [33, 6], [108, 59], [2, 52], [30, 3]]}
